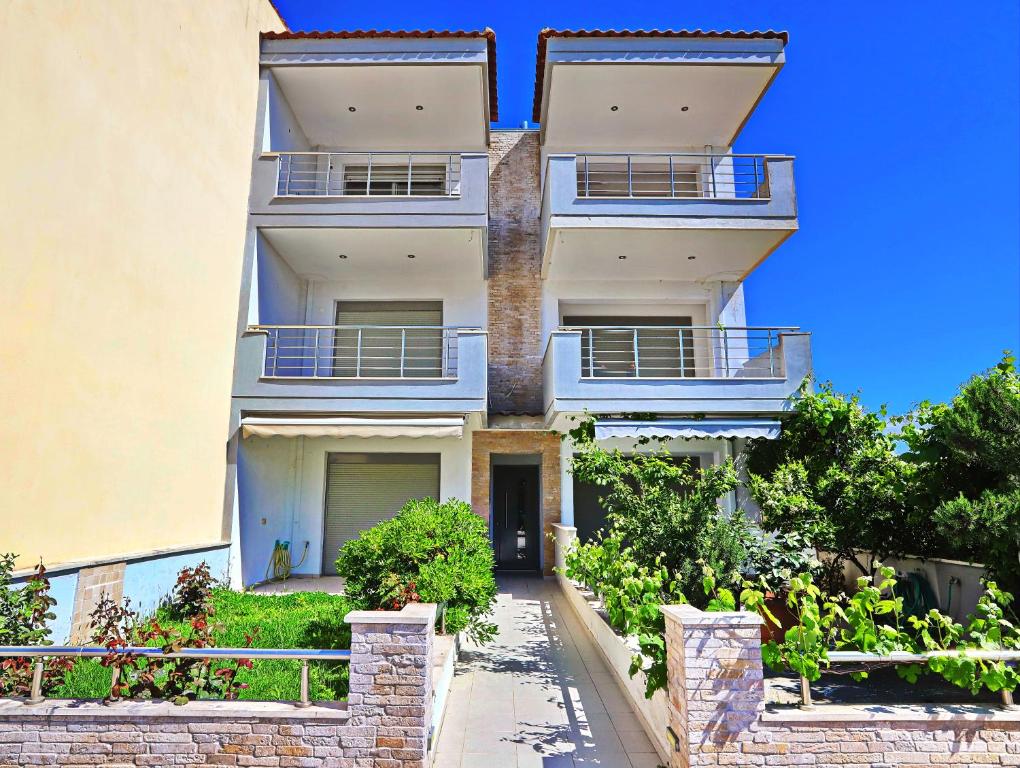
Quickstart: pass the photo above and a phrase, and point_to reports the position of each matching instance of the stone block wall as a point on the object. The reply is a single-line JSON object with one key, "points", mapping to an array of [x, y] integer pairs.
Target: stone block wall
{"points": [[93, 584], [384, 724], [717, 712]]}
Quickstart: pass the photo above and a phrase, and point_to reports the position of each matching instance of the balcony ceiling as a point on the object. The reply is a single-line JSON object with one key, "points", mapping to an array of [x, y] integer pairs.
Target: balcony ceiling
{"points": [[453, 97], [313, 252], [650, 101], [658, 254]]}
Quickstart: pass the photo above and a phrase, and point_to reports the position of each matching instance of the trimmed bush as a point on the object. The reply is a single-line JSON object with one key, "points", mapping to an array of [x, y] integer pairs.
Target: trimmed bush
{"points": [[430, 552]]}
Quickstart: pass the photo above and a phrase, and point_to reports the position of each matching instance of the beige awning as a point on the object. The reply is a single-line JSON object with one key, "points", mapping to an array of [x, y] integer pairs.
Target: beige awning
{"points": [[340, 426]]}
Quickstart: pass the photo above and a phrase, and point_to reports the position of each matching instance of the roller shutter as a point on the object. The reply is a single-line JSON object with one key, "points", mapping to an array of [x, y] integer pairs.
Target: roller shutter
{"points": [[365, 489], [386, 352]]}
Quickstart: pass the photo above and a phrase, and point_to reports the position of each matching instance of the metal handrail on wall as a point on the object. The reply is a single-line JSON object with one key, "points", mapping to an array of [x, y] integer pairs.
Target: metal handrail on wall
{"points": [[680, 351], [673, 175], [368, 174], [42, 652], [873, 660], [361, 351]]}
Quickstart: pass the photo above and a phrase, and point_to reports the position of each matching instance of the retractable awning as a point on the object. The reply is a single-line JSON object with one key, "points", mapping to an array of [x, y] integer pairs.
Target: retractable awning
{"points": [[687, 428], [342, 426]]}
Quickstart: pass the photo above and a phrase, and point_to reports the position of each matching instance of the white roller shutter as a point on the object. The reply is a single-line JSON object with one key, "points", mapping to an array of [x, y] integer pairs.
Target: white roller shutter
{"points": [[364, 489]]}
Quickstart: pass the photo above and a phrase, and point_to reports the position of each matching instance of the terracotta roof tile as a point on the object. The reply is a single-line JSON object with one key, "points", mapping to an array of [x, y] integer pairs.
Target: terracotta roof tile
{"points": [[545, 34], [361, 34]]}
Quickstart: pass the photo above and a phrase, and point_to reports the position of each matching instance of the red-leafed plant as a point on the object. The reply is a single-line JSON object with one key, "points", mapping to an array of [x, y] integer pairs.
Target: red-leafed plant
{"points": [[118, 627], [24, 615]]}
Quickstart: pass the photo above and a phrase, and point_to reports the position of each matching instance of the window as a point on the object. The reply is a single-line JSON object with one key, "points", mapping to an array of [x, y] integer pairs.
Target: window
{"points": [[411, 349], [393, 180], [641, 177], [646, 347]]}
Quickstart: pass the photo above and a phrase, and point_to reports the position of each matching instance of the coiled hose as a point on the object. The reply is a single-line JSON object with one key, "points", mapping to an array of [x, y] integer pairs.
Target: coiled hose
{"points": [[279, 562]]}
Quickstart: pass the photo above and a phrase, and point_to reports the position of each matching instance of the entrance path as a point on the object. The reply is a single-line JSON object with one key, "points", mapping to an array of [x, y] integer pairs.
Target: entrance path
{"points": [[540, 696]]}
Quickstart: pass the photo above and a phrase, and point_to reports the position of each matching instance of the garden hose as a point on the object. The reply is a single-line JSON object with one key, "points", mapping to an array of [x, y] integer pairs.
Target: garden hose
{"points": [[279, 562]]}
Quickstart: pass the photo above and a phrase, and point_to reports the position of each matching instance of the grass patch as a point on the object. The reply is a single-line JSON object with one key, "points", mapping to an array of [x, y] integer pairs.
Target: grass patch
{"points": [[302, 620]]}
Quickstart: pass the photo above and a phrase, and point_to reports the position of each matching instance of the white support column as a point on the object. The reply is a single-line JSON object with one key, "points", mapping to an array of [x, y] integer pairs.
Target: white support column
{"points": [[566, 483]]}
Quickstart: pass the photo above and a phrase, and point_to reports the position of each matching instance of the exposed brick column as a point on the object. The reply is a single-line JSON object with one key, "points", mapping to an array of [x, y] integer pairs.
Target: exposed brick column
{"points": [[390, 695], [515, 274], [716, 685]]}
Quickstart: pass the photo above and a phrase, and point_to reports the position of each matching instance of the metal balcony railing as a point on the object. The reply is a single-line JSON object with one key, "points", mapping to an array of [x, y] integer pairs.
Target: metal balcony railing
{"points": [[367, 174], [686, 351], [697, 176], [360, 351]]}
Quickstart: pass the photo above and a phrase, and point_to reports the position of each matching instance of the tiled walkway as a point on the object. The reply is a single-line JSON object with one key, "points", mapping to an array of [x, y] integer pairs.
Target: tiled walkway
{"points": [[540, 696]]}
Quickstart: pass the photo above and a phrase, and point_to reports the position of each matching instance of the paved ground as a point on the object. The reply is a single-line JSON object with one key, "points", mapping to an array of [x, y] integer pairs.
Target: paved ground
{"points": [[334, 585], [540, 696]]}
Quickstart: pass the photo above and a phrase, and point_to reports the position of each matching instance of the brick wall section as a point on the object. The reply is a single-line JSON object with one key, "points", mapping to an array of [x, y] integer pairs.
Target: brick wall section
{"points": [[717, 709], [486, 442], [384, 724], [93, 584], [515, 266]]}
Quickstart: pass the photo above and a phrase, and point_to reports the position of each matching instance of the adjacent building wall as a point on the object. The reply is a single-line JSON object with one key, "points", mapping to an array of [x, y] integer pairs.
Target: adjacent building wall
{"points": [[128, 161]]}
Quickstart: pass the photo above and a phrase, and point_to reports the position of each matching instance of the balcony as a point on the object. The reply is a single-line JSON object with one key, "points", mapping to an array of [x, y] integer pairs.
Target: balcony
{"points": [[438, 188], [376, 206], [673, 370], [380, 369], [680, 216]]}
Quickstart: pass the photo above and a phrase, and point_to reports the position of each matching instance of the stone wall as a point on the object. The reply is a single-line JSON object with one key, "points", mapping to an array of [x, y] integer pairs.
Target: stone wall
{"points": [[546, 445], [93, 585], [515, 267], [718, 713], [384, 723]]}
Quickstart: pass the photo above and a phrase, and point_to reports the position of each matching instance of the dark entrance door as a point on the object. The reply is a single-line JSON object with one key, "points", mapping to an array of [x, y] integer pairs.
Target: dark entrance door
{"points": [[515, 531]]}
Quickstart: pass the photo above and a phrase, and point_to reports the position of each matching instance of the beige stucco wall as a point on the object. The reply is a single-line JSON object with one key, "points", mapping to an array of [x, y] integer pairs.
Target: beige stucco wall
{"points": [[127, 141]]}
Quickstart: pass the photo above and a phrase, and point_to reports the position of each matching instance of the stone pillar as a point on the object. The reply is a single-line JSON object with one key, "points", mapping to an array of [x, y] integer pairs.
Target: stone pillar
{"points": [[716, 683], [390, 696]]}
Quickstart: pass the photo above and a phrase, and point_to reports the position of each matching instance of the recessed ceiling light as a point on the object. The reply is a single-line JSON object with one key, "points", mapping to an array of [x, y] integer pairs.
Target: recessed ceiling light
{"points": [[341, 255], [419, 107], [352, 109], [691, 258], [684, 109], [621, 258], [410, 255], [614, 108]]}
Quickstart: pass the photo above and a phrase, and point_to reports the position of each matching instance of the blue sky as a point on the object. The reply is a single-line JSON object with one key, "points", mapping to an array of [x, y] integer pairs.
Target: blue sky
{"points": [[904, 120]]}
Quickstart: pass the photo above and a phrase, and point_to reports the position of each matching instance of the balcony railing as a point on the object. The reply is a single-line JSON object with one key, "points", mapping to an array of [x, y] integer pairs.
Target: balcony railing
{"points": [[367, 174], [672, 352], [360, 351], [696, 176]]}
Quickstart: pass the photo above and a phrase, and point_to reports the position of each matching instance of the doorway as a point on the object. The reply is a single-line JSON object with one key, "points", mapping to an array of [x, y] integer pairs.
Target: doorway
{"points": [[516, 528]]}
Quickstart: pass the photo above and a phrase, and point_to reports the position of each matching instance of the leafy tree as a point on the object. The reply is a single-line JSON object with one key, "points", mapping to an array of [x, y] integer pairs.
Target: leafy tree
{"points": [[967, 454], [667, 515], [834, 476]]}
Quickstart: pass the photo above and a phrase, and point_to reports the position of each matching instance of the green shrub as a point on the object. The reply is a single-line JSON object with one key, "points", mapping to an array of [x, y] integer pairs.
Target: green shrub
{"points": [[967, 454], [665, 513], [431, 553], [834, 477]]}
